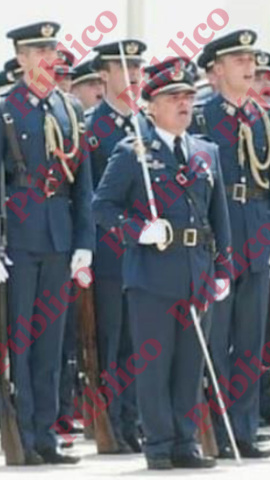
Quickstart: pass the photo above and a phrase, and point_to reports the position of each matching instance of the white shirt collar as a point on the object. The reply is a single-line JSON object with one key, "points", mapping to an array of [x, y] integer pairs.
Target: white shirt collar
{"points": [[168, 138]]}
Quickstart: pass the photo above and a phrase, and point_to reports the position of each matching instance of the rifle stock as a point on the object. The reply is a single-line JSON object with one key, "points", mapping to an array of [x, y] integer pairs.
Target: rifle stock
{"points": [[208, 439], [102, 427]]}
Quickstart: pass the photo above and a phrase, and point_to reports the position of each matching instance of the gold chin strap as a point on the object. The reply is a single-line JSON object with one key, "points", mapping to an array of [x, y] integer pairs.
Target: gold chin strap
{"points": [[54, 137], [245, 134]]}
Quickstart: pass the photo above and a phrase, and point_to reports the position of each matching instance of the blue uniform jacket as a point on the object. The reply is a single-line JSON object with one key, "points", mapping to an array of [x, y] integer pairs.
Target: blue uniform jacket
{"points": [[59, 223], [115, 130], [246, 218], [121, 195]]}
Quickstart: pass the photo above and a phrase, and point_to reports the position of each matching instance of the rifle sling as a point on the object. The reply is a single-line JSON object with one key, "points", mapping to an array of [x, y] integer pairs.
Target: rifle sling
{"points": [[12, 138]]}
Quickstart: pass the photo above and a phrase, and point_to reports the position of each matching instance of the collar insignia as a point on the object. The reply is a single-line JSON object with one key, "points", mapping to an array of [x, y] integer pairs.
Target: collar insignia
{"points": [[156, 164], [156, 145], [33, 99], [229, 109], [119, 121]]}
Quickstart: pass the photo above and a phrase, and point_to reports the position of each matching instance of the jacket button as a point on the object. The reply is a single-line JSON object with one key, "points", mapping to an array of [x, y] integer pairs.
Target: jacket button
{"points": [[24, 136]]}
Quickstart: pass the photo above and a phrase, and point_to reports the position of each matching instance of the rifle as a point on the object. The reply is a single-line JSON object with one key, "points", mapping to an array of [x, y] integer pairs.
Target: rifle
{"points": [[10, 437], [87, 325], [208, 439]]}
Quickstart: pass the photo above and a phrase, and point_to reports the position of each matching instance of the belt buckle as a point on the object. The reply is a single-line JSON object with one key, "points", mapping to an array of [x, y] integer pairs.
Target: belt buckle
{"points": [[239, 192], [190, 237], [50, 180]]}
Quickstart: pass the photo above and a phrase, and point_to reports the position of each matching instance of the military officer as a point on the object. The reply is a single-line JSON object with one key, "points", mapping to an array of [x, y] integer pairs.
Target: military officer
{"points": [[206, 62], [9, 75], [50, 231], [87, 85], [64, 74], [191, 203], [240, 127], [262, 77], [13, 70], [64, 70], [5, 83], [262, 88], [113, 116]]}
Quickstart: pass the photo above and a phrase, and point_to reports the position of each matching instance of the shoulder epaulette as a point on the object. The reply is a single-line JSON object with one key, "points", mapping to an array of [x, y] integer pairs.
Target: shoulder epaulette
{"points": [[202, 136]]}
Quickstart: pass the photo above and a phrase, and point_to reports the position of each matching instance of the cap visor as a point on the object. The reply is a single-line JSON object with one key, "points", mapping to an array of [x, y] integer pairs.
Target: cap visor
{"points": [[237, 49], [170, 89]]}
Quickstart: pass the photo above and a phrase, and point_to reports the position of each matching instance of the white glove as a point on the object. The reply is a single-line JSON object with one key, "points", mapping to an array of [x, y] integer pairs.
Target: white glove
{"points": [[153, 233], [3, 271], [223, 283], [81, 258]]}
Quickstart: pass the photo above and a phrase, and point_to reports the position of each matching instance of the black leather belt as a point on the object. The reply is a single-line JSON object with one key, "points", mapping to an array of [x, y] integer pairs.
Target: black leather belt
{"points": [[241, 192], [191, 237], [49, 186]]}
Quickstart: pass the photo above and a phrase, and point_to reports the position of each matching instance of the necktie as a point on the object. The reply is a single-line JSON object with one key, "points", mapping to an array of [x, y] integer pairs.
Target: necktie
{"points": [[178, 152]]}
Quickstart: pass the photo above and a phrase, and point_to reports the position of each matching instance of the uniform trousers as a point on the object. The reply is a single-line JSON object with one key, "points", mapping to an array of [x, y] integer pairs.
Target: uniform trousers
{"points": [[238, 333], [36, 354], [171, 384], [115, 347]]}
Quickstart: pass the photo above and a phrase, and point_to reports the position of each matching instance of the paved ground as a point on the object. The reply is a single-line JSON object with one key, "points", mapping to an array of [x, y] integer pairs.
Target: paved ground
{"points": [[94, 466]]}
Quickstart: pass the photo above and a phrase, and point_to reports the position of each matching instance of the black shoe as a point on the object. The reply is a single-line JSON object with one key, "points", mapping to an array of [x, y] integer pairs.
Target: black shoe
{"points": [[134, 443], [193, 461], [50, 455], [263, 437], [72, 427], [225, 453], [159, 463], [250, 450], [123, 447], [31, 457]]}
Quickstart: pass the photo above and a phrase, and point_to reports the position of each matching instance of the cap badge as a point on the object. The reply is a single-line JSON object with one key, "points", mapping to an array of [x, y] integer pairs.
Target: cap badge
{"points": [[262, 59], [178, 76], [132, 48], [245, 38], [47, 30]]}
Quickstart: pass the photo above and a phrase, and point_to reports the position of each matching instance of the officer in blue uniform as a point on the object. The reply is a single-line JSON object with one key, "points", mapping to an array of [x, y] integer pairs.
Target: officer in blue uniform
{"points": [[87, 85], [64, 70], [13, 70], [5, 83], [262, 88], [50, 231], [64, 75], [240, 127], [10, 73], [113, 119], [191, 204], [262, 77]]}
